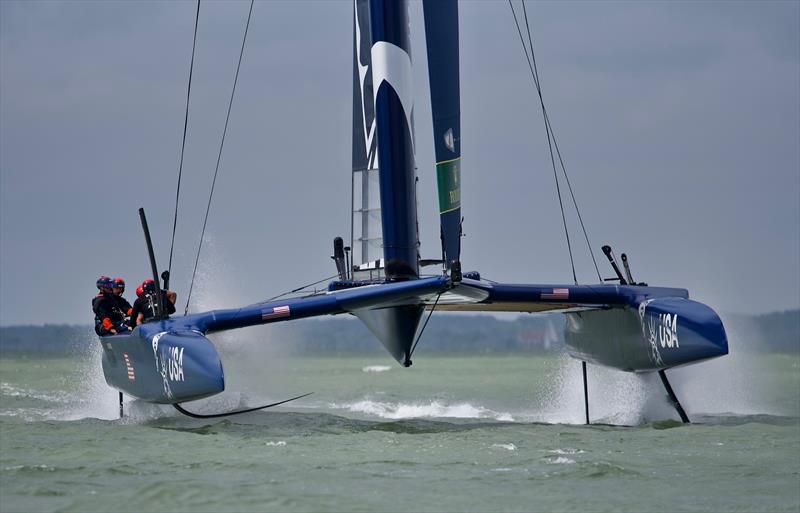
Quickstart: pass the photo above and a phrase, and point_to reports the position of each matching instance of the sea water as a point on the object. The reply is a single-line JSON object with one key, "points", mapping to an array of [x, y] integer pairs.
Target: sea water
{"points": [[479, 433]]}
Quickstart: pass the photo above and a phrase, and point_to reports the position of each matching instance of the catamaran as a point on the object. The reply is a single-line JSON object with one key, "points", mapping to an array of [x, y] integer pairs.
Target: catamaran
{"points": [[380, 279]]}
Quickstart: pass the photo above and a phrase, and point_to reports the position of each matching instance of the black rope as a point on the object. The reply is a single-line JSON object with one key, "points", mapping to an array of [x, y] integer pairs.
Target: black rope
{"points": [[183, 144], [555, 143], [574, 202], [219, 156], [535, 75], [552, 142], [414, 347], [298, 289]]}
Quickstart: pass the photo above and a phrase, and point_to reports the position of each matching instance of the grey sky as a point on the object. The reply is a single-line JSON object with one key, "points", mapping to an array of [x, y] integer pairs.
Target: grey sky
{"points": [[679, 123]]}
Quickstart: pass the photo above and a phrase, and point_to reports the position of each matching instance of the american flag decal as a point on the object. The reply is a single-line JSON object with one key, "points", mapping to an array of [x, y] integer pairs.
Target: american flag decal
{"points": [[131, 374], [276, 313], [556, 294]]}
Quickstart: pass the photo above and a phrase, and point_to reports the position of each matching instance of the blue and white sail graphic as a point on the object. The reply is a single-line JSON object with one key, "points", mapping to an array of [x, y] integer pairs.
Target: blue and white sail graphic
{"points": [[365, 230], [393, 90]]}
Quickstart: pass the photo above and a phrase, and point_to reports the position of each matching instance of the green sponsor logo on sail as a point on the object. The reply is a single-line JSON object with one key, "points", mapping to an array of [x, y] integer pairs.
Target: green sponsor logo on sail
{"points": [[448, 180]]}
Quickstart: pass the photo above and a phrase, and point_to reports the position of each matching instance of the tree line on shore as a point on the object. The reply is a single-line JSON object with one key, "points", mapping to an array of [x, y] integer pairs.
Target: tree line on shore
{"points": [[445, 333]]}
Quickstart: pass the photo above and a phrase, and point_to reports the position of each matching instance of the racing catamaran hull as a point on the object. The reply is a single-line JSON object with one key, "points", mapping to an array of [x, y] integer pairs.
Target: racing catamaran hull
{"points": [[659, 334], [163, 366]]}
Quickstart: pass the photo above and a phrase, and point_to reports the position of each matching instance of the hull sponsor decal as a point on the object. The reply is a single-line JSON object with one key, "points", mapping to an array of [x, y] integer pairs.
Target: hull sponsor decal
{"points": [[448, 181], [660, 331], [169, 363]]}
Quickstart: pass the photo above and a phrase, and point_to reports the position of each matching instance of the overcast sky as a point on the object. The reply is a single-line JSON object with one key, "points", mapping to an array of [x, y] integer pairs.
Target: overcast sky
{"points": [[679, 123]]}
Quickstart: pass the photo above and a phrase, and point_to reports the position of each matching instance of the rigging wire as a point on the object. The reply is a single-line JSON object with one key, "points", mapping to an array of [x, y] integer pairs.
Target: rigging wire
{"points": [[535, 76], [574, 202], [183, 144], [551, 141], [298, 289], [414, 347], [558, 151], [219, 156]]}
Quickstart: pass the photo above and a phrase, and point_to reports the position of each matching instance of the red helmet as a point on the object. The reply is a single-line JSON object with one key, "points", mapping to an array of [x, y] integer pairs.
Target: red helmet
{"points": [[139, 291], [119, 283], [148, 286]]}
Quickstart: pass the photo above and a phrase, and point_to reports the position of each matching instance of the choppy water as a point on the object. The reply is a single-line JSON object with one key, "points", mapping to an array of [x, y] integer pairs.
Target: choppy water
{"points": [[449, 434]]}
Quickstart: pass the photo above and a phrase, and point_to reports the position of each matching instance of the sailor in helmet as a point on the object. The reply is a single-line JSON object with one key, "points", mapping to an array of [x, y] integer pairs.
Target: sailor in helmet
{"points": [[145, 307], [120, 303], [108, 319]]}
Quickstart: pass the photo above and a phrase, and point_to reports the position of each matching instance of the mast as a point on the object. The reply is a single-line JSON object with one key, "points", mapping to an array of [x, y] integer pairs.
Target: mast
{"points": [[393, 93], [441, 37], [392, 87]]}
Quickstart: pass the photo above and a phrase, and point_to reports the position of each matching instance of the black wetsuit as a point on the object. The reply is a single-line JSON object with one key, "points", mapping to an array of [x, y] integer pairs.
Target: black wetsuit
{"points": [[121, 304], [146, 305], [107, 314]]}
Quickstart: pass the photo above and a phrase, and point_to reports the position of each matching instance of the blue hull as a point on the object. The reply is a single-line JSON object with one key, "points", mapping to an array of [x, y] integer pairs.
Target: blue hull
{"points": [[652, 335], [162, 367]]}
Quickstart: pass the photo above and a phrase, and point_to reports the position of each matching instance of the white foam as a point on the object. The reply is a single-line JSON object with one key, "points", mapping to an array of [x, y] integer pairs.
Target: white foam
{"points": [[561, 460], [568, 450], [508, 447], [433, 409], [10, 390], [279, 443], [615, 397], [376, 368]]}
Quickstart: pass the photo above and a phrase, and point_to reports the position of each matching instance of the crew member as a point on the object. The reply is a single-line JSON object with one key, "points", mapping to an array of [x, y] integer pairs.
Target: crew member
{"points": [[120, 303], [138, 305], [145, 307], [102, 287], [108, 319]]}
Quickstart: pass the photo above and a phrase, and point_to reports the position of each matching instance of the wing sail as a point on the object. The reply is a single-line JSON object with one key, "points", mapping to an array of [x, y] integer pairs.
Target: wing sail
{"points": [[365, 229], [441, 36]]}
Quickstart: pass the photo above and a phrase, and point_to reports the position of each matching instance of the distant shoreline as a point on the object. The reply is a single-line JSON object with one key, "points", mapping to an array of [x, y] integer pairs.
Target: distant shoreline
{"points": [[445, 334]]}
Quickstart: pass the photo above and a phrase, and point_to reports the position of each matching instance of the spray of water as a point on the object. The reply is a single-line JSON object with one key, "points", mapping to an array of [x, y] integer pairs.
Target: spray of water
{"points": [[733, 384], [91, 397], [614, 397], [252, 357]]}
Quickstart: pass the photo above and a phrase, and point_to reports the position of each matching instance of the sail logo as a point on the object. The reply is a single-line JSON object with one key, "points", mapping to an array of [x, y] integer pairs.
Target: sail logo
{"points": [[392, 65], [450, 140], [448, 183], [363, 60], [650, 333]]}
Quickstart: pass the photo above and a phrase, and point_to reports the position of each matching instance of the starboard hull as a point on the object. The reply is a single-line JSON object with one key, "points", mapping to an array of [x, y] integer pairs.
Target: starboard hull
{"points": [[652, 335]]}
